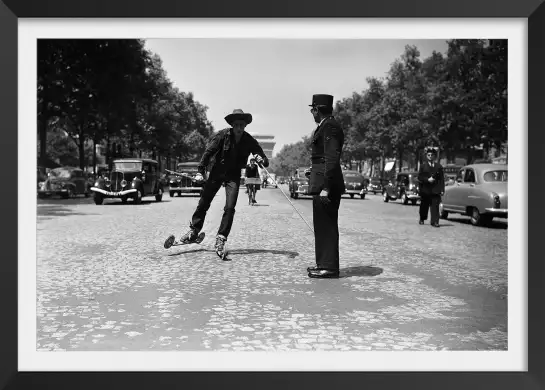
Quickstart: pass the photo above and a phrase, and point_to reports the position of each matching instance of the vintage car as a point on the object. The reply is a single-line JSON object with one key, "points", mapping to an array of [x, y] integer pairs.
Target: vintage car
{"points": [[299, 184], [404, 188], [355, 184], [375, 185], [129, 178], [184, 185], [480, 191], [64, 181]]}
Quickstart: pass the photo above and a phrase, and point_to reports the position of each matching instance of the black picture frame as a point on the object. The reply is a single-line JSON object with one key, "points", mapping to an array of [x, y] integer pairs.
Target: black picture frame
{"points": [[11, 10]]}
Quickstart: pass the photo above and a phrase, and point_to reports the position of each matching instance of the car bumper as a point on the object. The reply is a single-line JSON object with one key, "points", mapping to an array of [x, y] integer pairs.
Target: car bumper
{"points": [[302, 191], [113, 194], [501, 213], [185, 189], [357, 192], [413, 196]]}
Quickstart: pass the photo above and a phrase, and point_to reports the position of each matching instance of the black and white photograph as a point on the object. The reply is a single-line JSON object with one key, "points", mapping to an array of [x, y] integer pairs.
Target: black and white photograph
{"points": [[185, 185], [295, 196]]}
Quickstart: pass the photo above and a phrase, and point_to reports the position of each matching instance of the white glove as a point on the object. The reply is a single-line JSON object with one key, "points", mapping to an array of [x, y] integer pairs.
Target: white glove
{"points": [[258, 159], [199, 177]]}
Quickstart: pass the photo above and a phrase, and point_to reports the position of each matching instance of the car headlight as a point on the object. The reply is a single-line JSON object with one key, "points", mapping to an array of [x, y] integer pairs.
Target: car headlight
{"points": [[96, 183], [496, 199], [123, 183], [172, 181]]}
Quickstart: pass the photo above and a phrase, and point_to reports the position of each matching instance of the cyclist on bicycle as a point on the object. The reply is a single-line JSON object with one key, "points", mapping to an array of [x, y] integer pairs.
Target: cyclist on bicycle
{"points": [[252, 172]]}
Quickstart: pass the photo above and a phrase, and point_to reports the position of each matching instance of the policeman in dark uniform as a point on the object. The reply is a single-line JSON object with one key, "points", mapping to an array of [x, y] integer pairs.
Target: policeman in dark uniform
{"points": [[432, 186], [327, 185]]}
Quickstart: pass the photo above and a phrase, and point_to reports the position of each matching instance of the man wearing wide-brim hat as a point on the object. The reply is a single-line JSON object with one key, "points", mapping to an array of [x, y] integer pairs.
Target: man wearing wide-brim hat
{"points": [[326, 183], [432, 186], [227, 153]]}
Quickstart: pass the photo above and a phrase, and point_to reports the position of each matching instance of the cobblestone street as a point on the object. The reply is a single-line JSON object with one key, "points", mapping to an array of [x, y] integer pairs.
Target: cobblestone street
{"points": [[105, 282]]}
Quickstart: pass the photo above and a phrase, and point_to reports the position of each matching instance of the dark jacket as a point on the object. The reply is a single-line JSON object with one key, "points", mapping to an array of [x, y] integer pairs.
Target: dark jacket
{"points": [[326, 172], [425, 172], [219, 154]]}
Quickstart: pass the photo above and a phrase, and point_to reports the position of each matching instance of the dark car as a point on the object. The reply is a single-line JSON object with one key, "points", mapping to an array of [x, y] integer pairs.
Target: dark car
{"points": [[375, 185], [299, 184], [181, 184], [129, 178], [64, 181], [405, 187], [355, 184]]}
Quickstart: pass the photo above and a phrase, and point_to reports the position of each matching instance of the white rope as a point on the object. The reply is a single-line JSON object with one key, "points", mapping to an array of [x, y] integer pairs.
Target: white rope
{"points": [[292, 205]]}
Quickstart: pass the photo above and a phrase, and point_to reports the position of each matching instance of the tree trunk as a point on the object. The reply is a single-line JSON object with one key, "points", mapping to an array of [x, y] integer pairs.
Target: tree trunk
{"points": [[400, 159], [94, 157], [81, 148], [43, 143]]}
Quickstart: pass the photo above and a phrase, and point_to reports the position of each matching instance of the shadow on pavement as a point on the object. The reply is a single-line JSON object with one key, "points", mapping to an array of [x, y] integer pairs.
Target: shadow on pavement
{"points": [[191, 251], [365, 270], [56, 211], [492, 225], [260, 204], [290, 254]]}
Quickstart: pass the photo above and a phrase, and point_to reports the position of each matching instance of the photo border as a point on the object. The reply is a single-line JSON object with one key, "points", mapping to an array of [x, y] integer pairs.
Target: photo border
{"points": [[11, 10]]}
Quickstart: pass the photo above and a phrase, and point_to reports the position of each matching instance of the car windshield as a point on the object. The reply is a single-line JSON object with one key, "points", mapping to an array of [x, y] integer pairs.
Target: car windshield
{"points": [[375, 181], [126, 166], [60, 173], [495, 176]]}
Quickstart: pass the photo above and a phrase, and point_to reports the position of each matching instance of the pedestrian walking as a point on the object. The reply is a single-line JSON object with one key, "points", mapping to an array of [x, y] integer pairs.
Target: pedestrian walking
{"points": [[432, 186], [227, 152], [252, 172], [326, 184]]}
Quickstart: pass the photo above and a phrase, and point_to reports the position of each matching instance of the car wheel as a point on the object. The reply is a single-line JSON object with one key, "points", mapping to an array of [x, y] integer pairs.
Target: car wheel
{"points": [[159, 196], [475, 217], [442, 213], [179, 193], [362, 196], [351, 196], [124, 199], [138, 197], [385, 197], [295, 195], [171, 193], [413, 202], [404, 199], [98, 199]]}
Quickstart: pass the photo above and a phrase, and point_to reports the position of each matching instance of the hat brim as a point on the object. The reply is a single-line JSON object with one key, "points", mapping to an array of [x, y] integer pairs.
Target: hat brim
{"points": [[234, 117]]}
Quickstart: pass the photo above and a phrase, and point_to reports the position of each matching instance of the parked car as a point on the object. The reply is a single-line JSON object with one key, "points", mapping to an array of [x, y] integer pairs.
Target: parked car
{"points": [[405, 188], [64, 181], [375, 185], [480, 191], [355, 184], [184, 185], [129, 178], [299, 184]]}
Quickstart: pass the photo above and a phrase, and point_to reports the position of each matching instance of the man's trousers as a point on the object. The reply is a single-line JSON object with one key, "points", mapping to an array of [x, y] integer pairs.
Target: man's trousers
{"points": [[326, 231]]}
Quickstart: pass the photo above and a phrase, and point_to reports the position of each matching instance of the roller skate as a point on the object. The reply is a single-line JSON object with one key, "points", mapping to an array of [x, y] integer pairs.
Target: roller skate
{"points": [[220, 247]]}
